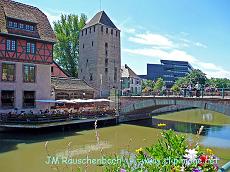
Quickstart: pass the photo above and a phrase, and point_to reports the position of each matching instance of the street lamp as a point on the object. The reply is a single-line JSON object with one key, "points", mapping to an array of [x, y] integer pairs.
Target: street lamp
{"points": [[121, 93]]}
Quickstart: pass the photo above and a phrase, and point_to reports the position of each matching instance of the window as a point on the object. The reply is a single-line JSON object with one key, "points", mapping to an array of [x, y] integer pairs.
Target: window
{"points": [[106, 53], [94, 28], [29, 73], [27, 27], [10, 24], [10, 45], [106, 62], [106, 49], [107, 30], [31, 28], [28, 99], [82, 32], [92, 43], [15, 25], [85, 31], [115, 74], [101, 28], [106, 70], [90, 30], [111, 31], [83, 46], [30, 48], [7, 98], [86, 64], [8, 72], [90, 76], [116, 33], [52, 69], [21, 26]]}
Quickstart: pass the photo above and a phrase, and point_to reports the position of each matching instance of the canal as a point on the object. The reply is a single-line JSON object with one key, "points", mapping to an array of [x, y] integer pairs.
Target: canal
{"points": [[25, 151]]}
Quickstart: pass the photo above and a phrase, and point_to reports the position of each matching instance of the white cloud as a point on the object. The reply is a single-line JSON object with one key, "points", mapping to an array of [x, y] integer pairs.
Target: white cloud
{"points": [[198, 44], [161, 47], [151, 39], [163, 54]]}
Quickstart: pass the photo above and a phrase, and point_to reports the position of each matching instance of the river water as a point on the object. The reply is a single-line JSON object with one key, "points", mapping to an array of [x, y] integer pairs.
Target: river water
{"points": [[26, 152]]}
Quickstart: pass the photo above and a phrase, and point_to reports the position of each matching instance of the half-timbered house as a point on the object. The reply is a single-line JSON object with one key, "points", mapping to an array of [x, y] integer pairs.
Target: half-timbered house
{"points": [[26, 55]]}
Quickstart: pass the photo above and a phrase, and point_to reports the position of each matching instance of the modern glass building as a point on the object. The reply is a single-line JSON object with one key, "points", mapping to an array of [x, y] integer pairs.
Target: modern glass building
{"points": [[169, 70]]}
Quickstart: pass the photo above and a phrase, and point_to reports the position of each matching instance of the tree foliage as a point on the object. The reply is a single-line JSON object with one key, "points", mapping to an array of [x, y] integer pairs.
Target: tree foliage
{"points": [[198, 76], [147, 85], [159, 84], [192, 78], [219, 82], [66, 50]]}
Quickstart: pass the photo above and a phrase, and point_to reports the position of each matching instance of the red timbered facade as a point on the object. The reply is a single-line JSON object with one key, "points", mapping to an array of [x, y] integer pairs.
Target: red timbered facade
{"points": [[43, 51], [26, 55]]}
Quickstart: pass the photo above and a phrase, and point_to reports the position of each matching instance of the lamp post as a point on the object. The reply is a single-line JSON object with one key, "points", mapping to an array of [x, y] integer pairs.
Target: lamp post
{"points": [[121, 82]]}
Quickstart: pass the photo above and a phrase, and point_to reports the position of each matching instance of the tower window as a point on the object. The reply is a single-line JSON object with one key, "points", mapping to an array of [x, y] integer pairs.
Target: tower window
{"points": [[92, 43], [106, 62], [86, 64], [82, 33], [115, 74], [106, 70], [90, 76], [83, 46], [94, 28], [102, 28], [111, 31], [107, 30], [85, 31], [90, 30], [106, 45], [116, 33], [106, 53]]}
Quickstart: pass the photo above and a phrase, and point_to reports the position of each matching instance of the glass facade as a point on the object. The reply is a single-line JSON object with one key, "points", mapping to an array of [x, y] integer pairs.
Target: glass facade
{"points": [[168, 70]]}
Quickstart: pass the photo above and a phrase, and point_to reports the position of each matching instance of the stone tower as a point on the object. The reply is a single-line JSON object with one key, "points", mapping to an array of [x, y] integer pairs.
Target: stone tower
{"points": [[100, 57]]}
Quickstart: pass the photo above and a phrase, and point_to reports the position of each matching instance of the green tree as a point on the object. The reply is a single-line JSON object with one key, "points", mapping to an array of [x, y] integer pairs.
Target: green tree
{"points": [[148, 85], [66, 50], [159, 84], [175, 88], [219, 82], [192, 78]]}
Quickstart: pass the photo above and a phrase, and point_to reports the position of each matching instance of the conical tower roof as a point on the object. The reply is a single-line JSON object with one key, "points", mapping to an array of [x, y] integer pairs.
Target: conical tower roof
{"points": [[100, 18]]}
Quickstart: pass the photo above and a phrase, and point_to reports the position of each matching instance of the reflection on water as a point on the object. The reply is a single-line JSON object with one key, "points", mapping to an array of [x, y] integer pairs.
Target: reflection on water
{"points": [[217, 136]]}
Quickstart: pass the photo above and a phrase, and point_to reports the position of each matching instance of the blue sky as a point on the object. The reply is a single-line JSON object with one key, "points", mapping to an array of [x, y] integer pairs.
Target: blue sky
{"points": [[192, 30]]}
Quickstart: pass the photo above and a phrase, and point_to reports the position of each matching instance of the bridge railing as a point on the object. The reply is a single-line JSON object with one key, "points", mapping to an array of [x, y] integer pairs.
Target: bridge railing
{"points": [[212, 93]]}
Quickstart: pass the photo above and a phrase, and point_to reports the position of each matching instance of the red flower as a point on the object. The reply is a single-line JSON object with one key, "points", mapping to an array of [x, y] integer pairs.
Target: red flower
{"points": [[204, 158]]}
